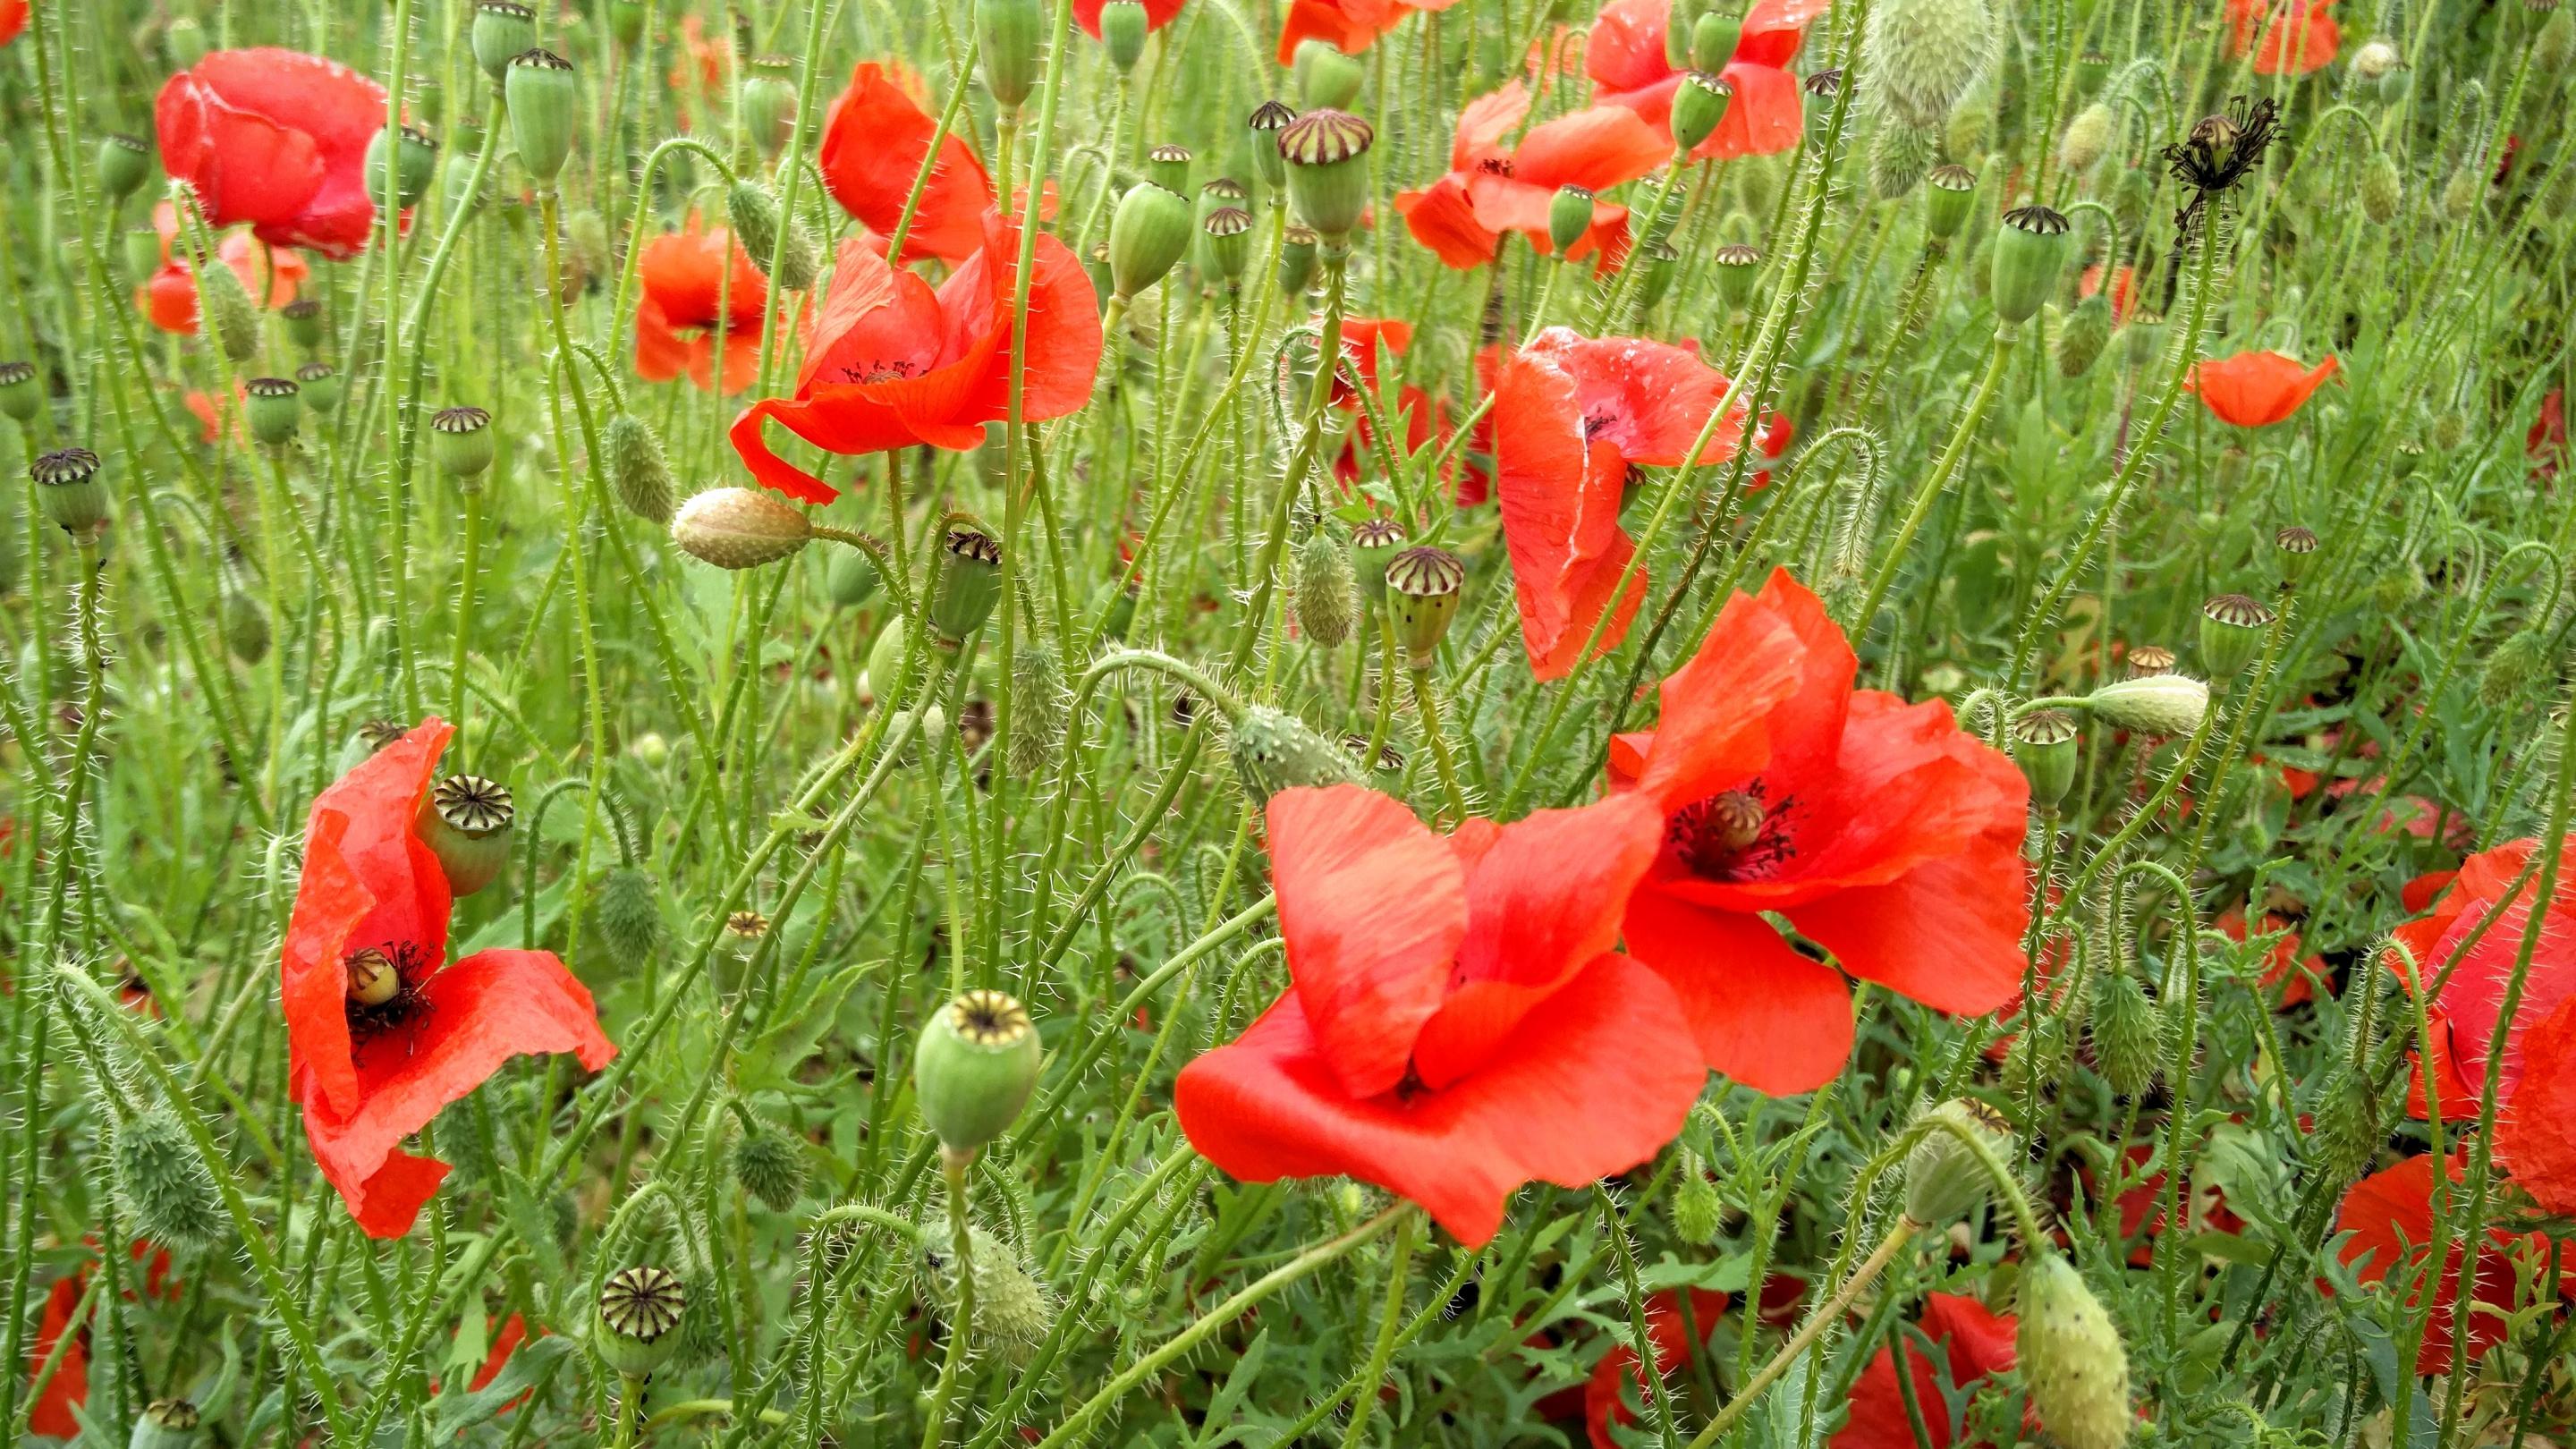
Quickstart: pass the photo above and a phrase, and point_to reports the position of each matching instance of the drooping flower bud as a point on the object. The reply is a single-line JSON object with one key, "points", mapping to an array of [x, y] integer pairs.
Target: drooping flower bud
{"points": [[1012, 38], [415, 160], [318, 383], [230, 316], [2088, 137], [1147, 235], [1123, 27], [2127, 1038], [545, 102], [124, 162], [973, 1070], [1039, 698], [1013, 1311], [272, 409], [1422, 587], [1944, 1181], [1946, 199], [1569, 216], [166, 1424], [465, 822], [244, 625], [1923, 55], [1225, 244], [1326, 151], [164, 1185], [885, 661], [21, 396], [2517, 664], [1274, 750], [769, 108], [756, 222], [851, 578], [1697, 1213], [2153, 704], [2345, 1130], [739, 528], [770, 1166], [1699, 103], [67, 484], [2071, 1356], [460, 441], [1327, 79], [637, 471], [1324, 607], [2030, 252], [502, 29], [2380, 189], [640, 1310], [1899, 155], [970, 584], [1374, 545], [630, 915], [2231, 634], [2043, 744], [1265, 123], [2086, 333]]}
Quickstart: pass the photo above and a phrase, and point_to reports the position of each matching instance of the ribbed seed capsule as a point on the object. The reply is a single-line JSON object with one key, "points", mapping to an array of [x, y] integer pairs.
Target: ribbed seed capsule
{"points": [[1661, 262], [739, 528], [20, 395], [1326, 151], [1265, 123], [1738, 265], [1374, 545], [273, 411], [1012, 34], [68, 487], [2030, 252], [1323, 597], [166, 1424], [415, 161], [637, 471], [1225, 244], [466, 823], [1168, 166], [970, 585], [1123, 28], [318, 383], [544, 101], [2150, 659], [1327, 79], [460, 441], [2297, 547], [1699, 103], [1569, 217], [1148, 234], [303, 319], [1946, 196], [640, 1310], [2231, 634], [769, 105], [974, 1068], [124, 162], [2043, 744], [1297, 260], [1422, 591], [502, 29]]}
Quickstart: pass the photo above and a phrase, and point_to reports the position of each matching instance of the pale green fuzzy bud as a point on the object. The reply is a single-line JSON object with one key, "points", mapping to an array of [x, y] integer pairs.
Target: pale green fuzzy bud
{"points": [[739, 528], [1899, 154], [1925, 54], [1013, 1310], [770, 1166], [1325, 607], [2087, 332], [164, 1185], [2345, 1132], [245, 626], [1944, 1180], [1039, 701], [1965, 137], [630, 915], [232, 319], [2088, 137], [2071, 1356], [1274, 751], [2127, 1041], [755, 222], [637, 471], [1696, 1210], [2381, 189], [2517, 664], [2463, 192], [2157, 704]]}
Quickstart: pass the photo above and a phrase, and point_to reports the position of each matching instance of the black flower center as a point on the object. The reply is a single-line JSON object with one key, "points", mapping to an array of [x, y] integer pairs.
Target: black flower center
{"points": [[881, 370]]}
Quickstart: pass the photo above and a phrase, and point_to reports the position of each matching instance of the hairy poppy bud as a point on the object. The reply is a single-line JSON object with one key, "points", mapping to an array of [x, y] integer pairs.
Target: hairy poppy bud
{"points": [[885, 660], [545, 102], [851, 578], [1946, 199], [1899, 155], [1147, 235], [2071, 1356], [1422, 587], [123, 164], [2043, 744], [1225, 244], [2087, 332], [637, 471], [2517, 664], [164, 1184], [974, 1068], [1697, 1213], [2231, 633], [501, 30], [2088, 137], [2375, 58], [769, 106], [1324, 608], [2030, 251], [1374, 545], [2154, 704], [1296, 260], [318, 383], [1013, 1311], [1274, 750], [67, 484], [1039, 698], [1326, 152], [970, 584], [2345, 1130], [770, 1166], [1569, 216], [245, 626], [2127, 1041], [465, 822], [1738, 264], [21, 396], [272, 409], [739, 528], [415, 161], [756, 223], [1123, 26], [1923, 55], [1012, 35], [166, 1424], [2380, 189], [1699, 103], [231, 317], [1265, 123], [630, 915], [639, 1311], [1713, 38], [1944, 1181], [1327, 79], [460, 441]]}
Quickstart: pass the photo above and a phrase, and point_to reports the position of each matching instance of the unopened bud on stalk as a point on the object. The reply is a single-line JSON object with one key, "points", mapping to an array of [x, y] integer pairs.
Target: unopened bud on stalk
{"points": [[2127, 1042], [739, 528], [2381, 189], [460, 442], [165, 1185], [1013, 1311], [67, 484], [756, 222], [1274, 750], [1039, 699], [769, 105], [974, 1068], [1168, 166], [1738, 265], [501, 30], [1012, 36], [272, 409], [2154, 704], [2030, 252], [415, 162], [2043, 744], [1324, 606], [318, 383], [545, 101], [21, 396], [465, 822], [2071, 1356], [166, 1424], [637, 471], [630, 915], [2374, 60], [2088, 137], [639, 1317], [2231, 634], [1899, 156], [2345, 1131], [245, 626], [1374, 545], [1326, 152], [885, 661], [2517, 664], [1296, 260], [2087, 332], [769, 1165], [124, 162], [970, 585], [1225, 244], [1569, 216], [1699, 103], [1147, 235], [231, 317], [1123, 27], [1944, 1180], [1265, 123], [852, 577], [1422, 587], [1696, 1209], [1923, 55], [1327, 79]]}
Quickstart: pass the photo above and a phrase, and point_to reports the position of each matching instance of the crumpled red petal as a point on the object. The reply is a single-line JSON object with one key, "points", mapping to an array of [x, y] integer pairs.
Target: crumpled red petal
{"points": [[874, 138]]}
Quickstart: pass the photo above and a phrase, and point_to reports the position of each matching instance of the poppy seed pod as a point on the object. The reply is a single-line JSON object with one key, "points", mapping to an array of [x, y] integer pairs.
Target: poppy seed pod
{"points": [[1944, 1180], [303, 318], [2154, 704], [272, 409], [1012, 37], [1168, 166], [501, 31], [2030, 252], [637, 471], [415, 162], [1274, 750], [1225, 244], [2071, 1356], [231, 318], [2127, 1041], [1327, 79], [2297, 548], [1569, 216], [123, 164], [2150, 659], [1422, 587], [1147, 235], [2231, 633], [973, 1069], [1324, 606], [164, 1184], [769, 1166], [319, 385], [1661, 260], [1699, 103], [460, 441], [852, 577], [739, 528], [1923, 55], [465, 822], [2043, 744], [1374, 545], [20, 395], [67, 484], [1265, 123], [1946, 199], [1738, 264], [1328, 184], [1713, 38], [970, 585], [639, 1314], [373, 979], [1123, 27], [1296, 260], [185, 40], [545, 103], [768, 111], [166, 1423], [630, 915]]}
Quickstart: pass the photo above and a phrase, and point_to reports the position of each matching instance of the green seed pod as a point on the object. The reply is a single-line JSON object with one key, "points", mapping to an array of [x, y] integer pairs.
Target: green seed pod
{"points": [[885, 660], [630, 915], [1168, 166], [974, 1068], [1123, 27], [2071, 1356], [2146, 660], [1922, 56], [303, 319], [1296, 261], [768, 109], [1662, 261], [21, 396], [231, 318], [1374, 545], [460, 442], [1013, 40], [1699, 103], [770, 1166], [739, 528], [970, 584], [1225, 244], [465, 822], [545, 106], [272, 409], [2381, 189], [637, 471], [67, 484], [1040, 699], [1944, 1181], [1327, 156], [318, 383], [1147, 235], [2231, 634], [1569, 217], [415, 162], [2030, 252], [458, 185], [2043, 744], [185, 40], [1946, 200], [501, 30], [2296, 548], [640, 1310], [755, 223], [245, 626], [2517, 664], [2141, 337], [1422, 588], [166, 1424], [1739, 265], [1327, 80], [1265, 123], [1324, 604], [124, 162], [626, 21], [1273, 751], [1899, 155], [2087, 332], [2128, 1044], [2088, 138], [164, 1185], [2154, 704], [852, 577], [1713, 39]]}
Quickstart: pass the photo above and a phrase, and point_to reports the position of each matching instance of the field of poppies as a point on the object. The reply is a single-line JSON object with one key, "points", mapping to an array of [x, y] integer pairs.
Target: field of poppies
{"points": [[1809, 724]]}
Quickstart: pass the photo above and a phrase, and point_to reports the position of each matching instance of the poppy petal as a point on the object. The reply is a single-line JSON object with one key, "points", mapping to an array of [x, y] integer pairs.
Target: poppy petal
{"points": [[1598, 147], [2536, 1129], [875, 137], [1442, 217], [1711, 736], [1760, 1013]]}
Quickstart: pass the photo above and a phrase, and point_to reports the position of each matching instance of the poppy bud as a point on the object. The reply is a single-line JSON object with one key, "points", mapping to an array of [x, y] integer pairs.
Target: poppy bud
{"points": [[1946, 198], [2029, 253], [501, 30], [1737, 265], [1923, 55], [2345, 1130], [639, 1309], [973, 1069], [545, 103], [2231, 632], [1713, 39], [231, 317], [2088, 137], [769, 106], [1328, 184], [1699, 103], [2127, 1044], [630, 915], [2154, 704], [245, 626], [1422, 586], [1296, 260], [465, 822], [1944, 1181], [1226, 244], [1012, 34], [1123, 25], [1327, 79], [1569, 216], [1657, 279], [1324, 608], [1374, 545], [739, 528], [166, 1424], [637, 471], [1265, 123], [272, 409], [769, 1166], [123, 164], [303, 318], [2043, 744], [1697, 1213], [1038, 700], [2375, 58], [852, 577], [1147, 235], [2071, 1356], [1899, 155], [164, 1184], [1013, 1311], [2087, 332], [2381, 190], [2141, 337], [67, 484], [1274, 750], [2517, 664], [318, 383], [969, 586], [21, 397], [460, 441], [755, 223], [885, 661], [415, 162]]}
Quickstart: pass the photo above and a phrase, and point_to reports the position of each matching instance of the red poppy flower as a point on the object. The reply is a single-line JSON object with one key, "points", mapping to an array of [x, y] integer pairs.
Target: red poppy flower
{"points": [[2390, 1217], [2142, 1208], [2546, 443], [1572, 415], [2464, 1016], [13, 23], [271, 275], [2124, 283], [696, 281], [1349, 26], [2257, 389], [700, 71], [367, 1079], [2535, 1135], [874, 138], [51, 1414], [1158, 13], [1765, 117], [1979, 1344], [2305, 976], [2298, 36], [1488, 191], [1616, 1381], [895, 363], [211, 411], [278, 139], [1879, 830], [1456, 1022]]}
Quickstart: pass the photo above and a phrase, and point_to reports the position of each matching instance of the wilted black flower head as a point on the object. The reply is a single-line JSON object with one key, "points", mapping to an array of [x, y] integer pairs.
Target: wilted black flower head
{"points": [[2220, 152]]}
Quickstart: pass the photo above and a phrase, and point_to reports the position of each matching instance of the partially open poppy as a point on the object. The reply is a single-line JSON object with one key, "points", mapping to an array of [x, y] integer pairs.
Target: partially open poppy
{"points": [[369, 1076], [2257, 389], [2535, 1135], [51, 1414], [874, 138], [1571, 416], [1158, 13], [1489, 190], [1766, 115], [698, 282], [1878, 830], [1456, 1022], [2546, 443], [1978, 1343], [278, 139], [894, 363], [2390, 1217], [1349, 26], [1616, 1381], [168, 299], [2297, 37], [701, 72], [2465, 1014]]}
